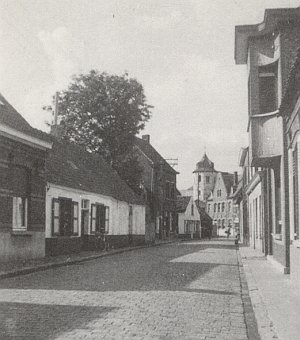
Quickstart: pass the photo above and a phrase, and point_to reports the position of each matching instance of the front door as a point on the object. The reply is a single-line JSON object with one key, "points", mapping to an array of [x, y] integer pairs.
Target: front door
{"points": [[84, 222], [65, 218], [100, 219]]}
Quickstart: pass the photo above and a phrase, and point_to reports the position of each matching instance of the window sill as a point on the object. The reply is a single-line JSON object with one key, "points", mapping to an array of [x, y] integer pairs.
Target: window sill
{"points": [[59, 236], [21, 233]]}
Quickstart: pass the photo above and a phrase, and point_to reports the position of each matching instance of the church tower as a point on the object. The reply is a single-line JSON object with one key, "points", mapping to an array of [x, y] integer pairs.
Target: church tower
{"points": [[204, 178]]}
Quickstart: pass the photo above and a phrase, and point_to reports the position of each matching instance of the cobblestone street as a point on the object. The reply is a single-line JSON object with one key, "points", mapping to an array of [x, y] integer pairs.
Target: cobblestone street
{"points": [[186, 290]]}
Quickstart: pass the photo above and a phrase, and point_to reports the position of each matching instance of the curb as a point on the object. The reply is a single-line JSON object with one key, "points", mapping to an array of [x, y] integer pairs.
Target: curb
{"points": [[249, 315], [42, 267]]}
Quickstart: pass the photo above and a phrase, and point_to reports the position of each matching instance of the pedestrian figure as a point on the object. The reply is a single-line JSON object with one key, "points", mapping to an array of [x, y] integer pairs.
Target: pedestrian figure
{"points": [[228, 232]]}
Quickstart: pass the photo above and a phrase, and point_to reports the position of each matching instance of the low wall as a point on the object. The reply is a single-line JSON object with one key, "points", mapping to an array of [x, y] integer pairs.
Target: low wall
{"points": [[21, 245]]}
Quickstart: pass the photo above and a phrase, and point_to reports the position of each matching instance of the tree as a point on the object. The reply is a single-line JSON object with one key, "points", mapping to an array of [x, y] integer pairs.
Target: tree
{"points": [[103, 113]]}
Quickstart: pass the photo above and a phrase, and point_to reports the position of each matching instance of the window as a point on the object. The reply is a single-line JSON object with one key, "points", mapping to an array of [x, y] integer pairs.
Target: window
{"points": [[229, 206], [98, 218], [219, 207], [219, 193], [20, 212], [64, 217], [268, 88], [215, 207], [223, 222], [189, 227], [170, 189], [199, 178], [207, 179], [192, 209], [208, 208], [223, 207], [85, 204]]}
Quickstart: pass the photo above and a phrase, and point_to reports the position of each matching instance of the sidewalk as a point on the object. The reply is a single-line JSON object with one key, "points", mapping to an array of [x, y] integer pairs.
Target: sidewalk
{"points": [[275, 301], [11, 269]]}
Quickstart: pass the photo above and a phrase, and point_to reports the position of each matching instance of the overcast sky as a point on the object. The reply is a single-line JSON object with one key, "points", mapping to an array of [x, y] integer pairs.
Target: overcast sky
{"points": [[182, 51]]}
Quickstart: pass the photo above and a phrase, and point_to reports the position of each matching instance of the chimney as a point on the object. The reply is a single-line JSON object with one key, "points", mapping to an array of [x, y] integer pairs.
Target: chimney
{"points": [[146, 138], [235, 179]]}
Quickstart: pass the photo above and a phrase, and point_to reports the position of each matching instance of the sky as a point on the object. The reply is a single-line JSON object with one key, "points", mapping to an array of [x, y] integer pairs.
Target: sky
{"points": [[182, 51]]}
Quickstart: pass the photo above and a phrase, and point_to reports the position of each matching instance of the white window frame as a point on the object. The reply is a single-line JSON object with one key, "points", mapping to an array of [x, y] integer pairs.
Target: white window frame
{"points": [[17, 219]]}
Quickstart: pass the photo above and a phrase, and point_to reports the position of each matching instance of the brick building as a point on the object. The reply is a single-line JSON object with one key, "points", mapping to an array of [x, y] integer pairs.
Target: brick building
{"points": [[290, 111], [159, 183], [23, 151], [269, 50]]}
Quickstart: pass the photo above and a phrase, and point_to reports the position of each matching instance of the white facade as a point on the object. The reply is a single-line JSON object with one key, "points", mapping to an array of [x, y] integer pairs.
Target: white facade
{"points": [[294, 207], [189, 220], [255, 213], [119, 222]]}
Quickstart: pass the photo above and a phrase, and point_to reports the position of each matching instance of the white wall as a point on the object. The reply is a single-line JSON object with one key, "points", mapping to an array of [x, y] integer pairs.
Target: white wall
{"points": [[255, 242], [118, 210], [188, 216]]}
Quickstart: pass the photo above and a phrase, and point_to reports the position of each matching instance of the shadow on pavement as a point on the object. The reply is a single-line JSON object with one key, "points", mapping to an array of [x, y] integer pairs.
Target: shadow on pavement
{"points": [[38, 321], [144, 269]]}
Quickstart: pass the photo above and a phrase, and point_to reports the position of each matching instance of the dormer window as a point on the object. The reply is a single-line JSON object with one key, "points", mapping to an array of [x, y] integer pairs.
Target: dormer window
{"points": [[268, 88]]}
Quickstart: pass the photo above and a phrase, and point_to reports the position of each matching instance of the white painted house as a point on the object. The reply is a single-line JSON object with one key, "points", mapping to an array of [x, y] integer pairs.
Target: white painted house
{"points": [[88, 206], [188, 217]]}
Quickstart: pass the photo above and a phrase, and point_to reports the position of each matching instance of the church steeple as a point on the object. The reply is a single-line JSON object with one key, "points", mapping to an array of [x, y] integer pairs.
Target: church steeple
{"points": [[204, 178], [205, 164]]}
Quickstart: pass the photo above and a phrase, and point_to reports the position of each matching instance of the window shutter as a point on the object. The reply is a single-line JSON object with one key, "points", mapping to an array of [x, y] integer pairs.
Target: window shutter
{"points": [[93, 218], [106, 220], [75, 218], [55, 217]]}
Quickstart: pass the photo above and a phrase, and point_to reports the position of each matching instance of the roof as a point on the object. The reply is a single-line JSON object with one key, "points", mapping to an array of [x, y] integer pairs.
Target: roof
{"points": [[291, 91], [243, 155], [238, 191], [228, 181], [271, 19], [71, 166], [204, 217], [182, 202], [205, 164], [11, 118], [152, 154]]}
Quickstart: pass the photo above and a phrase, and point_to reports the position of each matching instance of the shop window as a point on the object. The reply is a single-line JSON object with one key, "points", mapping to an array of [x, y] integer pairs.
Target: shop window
{"points": [[64, 217], [20, 213]]}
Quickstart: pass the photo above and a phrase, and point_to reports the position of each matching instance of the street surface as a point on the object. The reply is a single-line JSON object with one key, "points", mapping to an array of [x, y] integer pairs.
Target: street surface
{"points": [[185, 290]]}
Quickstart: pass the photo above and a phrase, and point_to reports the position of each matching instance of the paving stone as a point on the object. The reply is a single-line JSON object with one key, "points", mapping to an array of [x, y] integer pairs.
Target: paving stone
{"points": [[188, 290]]}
